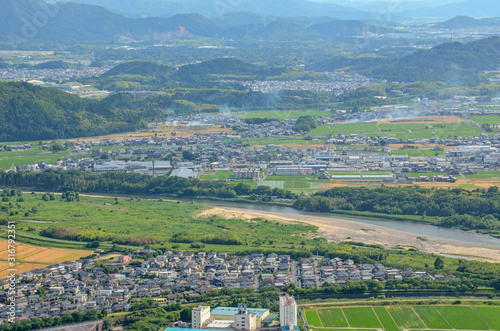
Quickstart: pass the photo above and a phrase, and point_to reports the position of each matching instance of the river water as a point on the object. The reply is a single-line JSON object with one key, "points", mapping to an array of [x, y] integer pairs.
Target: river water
{"points": [[419, 229]]}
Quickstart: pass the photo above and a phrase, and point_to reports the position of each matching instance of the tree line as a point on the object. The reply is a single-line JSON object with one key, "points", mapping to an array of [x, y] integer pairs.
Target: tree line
{"points": [[478, 209]]}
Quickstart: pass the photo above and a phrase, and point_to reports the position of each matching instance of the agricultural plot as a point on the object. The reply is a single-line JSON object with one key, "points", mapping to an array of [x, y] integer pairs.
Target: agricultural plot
{"points": [[35, 257], [283, 115], [490, 315], [397, 318], [431, 317], [405, 317], [312, 317], [386, 319], [362, 317], [401, 130], [462, 318], [219, 175], [333, 317]]}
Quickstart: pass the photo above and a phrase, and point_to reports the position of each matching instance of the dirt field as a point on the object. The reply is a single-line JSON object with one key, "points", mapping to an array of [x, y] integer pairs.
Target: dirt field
{"points": [[34, 254]]}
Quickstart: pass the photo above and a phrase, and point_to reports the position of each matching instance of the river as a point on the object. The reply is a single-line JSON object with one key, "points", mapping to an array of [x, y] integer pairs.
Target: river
{"points": [[418, 229]]}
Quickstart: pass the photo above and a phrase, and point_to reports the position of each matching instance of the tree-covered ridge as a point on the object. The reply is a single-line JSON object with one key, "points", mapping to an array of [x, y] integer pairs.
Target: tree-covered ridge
{"points": [[454, 63], [462, 22], [72, 23], [478, 209], [29, 112], [139, 68]]}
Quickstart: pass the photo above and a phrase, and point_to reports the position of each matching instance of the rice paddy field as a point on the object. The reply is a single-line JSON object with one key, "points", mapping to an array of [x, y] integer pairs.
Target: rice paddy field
{"points": [[401, 130], [395, 318], [29, 257]]}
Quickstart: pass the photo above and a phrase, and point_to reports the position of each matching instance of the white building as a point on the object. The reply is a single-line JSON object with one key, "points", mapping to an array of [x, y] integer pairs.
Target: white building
{"points": [[288, 310], [245, 320], [199, 316]]}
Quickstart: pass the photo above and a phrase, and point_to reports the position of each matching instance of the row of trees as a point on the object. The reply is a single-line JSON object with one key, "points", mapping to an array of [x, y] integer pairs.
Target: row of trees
{"points": [[46, 322], [134, 184], [478, 209]]}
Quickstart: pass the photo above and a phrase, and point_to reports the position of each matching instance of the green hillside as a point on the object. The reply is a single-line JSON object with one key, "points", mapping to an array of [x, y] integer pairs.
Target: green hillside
{"points": [[453, 63], [28, 112]]}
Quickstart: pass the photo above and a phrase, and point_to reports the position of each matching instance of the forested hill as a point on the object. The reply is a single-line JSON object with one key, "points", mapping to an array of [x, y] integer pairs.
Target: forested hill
{"points": [[452, 63], [463, 22], [29, 112], [72, 23]]}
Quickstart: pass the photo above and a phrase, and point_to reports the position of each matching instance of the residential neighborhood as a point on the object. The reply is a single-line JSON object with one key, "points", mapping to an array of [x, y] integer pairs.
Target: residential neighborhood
{"points": [[174, 277]]}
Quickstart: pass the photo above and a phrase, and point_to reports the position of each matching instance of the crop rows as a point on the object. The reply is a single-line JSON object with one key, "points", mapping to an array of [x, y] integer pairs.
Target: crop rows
{"points": [[396, 318]]}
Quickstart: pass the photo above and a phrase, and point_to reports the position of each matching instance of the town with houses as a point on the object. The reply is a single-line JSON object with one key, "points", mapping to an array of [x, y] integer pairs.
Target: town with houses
{"points": [[332, 156], [175, 277]]}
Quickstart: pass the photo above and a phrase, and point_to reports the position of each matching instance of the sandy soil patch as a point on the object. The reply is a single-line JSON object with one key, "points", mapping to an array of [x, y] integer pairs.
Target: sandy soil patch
{"points": [[337, 229]]}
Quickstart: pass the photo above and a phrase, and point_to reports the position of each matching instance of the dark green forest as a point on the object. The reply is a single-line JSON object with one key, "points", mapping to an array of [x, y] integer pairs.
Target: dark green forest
{"points": [[453, 63], [28, 112], [472, 210], [478, 209]]}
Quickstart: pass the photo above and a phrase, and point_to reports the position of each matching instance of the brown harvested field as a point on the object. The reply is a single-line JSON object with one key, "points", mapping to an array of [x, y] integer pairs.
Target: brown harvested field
{"points": [[180, 131], [20, 268], [425, 119], [30, 253], [421, 147]]}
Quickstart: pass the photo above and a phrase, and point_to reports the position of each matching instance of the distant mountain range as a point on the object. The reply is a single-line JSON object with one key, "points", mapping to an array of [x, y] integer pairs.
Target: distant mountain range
{"points": [[341, 9], [213, 9], [73, 23]]}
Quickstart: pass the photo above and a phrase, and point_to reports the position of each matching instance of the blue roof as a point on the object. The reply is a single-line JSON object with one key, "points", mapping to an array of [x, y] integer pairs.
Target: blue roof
{"points": [[287, 328], [231, 311]]}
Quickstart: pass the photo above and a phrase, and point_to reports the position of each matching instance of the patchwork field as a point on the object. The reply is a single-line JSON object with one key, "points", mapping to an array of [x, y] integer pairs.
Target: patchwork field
{"points": [[35, 257], [394, 318]]}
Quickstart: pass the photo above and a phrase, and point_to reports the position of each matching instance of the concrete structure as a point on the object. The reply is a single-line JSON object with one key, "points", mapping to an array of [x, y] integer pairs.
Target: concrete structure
{"points": [[229, 313], [246, 173], [244, 320], [288, 310], [199, 316], [292, 171]]}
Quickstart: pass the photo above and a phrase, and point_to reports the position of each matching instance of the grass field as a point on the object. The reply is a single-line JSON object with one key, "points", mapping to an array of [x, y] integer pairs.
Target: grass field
{"points": [[394, 318], [220, 175], [31, 257], [283, 115], [401, 131], [125, 219]]}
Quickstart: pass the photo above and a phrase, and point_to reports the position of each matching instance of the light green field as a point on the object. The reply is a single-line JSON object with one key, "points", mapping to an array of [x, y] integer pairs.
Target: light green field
{"points": [[333, 317], [487, 119], [487, 175], [405, 317], [362, 317], [394, 318], [431, 317], [221, 175], [463, 317], [401, 131], [282, 115]]}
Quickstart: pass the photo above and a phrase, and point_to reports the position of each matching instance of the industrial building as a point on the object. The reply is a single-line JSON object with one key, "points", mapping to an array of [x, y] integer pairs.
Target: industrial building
{"points": [[230, 318]]}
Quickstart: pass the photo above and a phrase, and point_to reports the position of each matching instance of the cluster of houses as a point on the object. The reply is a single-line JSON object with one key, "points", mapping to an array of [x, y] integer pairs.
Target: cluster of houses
{"points": [[337, 82], [174, 276]]}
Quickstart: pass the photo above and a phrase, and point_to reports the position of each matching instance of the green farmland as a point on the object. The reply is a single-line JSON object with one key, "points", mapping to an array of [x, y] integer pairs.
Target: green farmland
{"points": [[394, 318], [401, 131]]}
